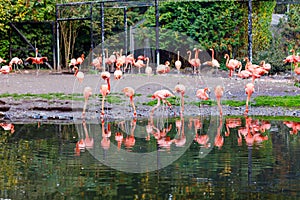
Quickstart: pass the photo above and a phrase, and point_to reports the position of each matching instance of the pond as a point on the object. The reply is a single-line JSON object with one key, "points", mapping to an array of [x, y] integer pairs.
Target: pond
{"points": [[171, 158]]}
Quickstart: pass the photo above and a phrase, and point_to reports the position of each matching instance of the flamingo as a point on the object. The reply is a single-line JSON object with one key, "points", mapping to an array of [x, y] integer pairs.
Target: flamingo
{"points": [[219, 90], [119, 138], [148, 69], [80, 60], [118, 74], [297, 69], [8, 127], [78, 74], [15, 61], [87, 92], [178, 63], [163, 69], [244, 73], [179, 88], [232, 123], [97, 62], [293, 59], [213, 62], [37, 60], [193, 61], [121, 60], [249, 89], [232, 64], [89, 141], [202, 93], [161, 95], [181, 138], [106, 77], [129, 92], [6, 69], [104, 90], [129, 60], [139, 63], [106, 133]]}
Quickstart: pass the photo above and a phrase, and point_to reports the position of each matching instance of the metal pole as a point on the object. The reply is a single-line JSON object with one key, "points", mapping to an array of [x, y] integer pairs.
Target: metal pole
{"points": [[91, 15], [54, 50], [102, 35], [157, 31], [125, 30], [250, 30], [57, 40]]}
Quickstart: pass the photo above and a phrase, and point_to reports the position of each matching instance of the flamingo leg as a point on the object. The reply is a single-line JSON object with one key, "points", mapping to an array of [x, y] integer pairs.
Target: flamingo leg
{"points": [[133, 106], [247, 106], [155, 107], [219, 105], [102, 108]]}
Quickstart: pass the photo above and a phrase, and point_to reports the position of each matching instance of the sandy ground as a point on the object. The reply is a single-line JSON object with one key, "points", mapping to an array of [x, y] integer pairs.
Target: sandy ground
{"points": [[50, 82]]}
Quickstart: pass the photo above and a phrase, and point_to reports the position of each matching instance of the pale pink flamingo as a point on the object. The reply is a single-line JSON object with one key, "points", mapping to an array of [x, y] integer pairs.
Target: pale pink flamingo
{"points": [[178, 63], [249, 89], [148, 69], [163, 69], [104, 90], [6, 69], [78, 74], [97, 62], [161, 95], [219, 90], [129, 92], [193, 61], [106, 77], [87, 92], [213, 62], [118, 74], [15, 61], [129, 61], [139, 63], [179, 88], [202, 93], [80, 60], [297, 69], [232, 64], [180, 139], [293, 59]]}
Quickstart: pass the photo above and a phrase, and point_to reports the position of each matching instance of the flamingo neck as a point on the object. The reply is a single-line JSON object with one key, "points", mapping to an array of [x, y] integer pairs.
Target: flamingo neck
{"points": [[108, 83], [212, 54]]}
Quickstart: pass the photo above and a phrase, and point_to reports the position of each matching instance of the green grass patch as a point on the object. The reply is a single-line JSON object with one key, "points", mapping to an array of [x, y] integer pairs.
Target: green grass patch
{"points": [[274, 101], [48, 96]]}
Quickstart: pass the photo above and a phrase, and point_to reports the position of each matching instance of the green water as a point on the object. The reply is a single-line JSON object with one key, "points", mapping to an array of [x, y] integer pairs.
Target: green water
{"points": [[41, 161]]}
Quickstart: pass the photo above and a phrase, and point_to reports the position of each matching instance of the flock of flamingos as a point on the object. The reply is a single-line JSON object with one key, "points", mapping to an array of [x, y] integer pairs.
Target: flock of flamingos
{"points": [[120, 63]]}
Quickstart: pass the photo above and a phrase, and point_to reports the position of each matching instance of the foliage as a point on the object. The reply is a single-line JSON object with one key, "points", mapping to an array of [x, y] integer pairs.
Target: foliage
{"points": [[205, 22], [284, 101], [291, 28]]}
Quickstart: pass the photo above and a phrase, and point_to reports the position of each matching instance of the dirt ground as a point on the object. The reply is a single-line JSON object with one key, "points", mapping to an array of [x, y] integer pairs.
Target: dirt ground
{"points": [[54, 109]]}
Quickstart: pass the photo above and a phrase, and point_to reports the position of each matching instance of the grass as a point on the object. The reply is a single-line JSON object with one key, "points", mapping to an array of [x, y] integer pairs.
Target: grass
{"points": [[48, 96]]}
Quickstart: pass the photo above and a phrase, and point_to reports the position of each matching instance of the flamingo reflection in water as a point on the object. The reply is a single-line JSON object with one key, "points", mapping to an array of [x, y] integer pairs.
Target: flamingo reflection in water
{"points": [[130, 139], [219, 139], [180, 139], [8, 127], [106, 133], [295, 126], [201, 139], [252, 132], [84, 142], [232, 123]]}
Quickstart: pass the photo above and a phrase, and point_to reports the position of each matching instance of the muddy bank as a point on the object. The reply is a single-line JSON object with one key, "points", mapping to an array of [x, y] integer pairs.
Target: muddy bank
{"points": [[33, 109]]}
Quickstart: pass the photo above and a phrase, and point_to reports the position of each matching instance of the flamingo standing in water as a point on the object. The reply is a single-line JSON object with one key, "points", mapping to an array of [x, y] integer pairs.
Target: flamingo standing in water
{"points": [[178, 63], [249, 89], [219, 90], [179, 88], [161, 95], [87, 92], [129, 92], [232, 64], [37, 60]]}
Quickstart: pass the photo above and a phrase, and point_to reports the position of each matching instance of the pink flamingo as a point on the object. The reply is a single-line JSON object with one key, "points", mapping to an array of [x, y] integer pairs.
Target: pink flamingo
{"points": [[219, 90], [106, 77], [78, 74], [139, 63], [148, 69], [119, 138], [37, 60], [89, 141], [163, 69], [87, 92], [118, 74], [130, 139], [181, 138], [15, 61], [213, 62], [104, 90], [202, 94], [2, 60], [129, 92], [97, 62], [178, 63], [232, 123], [161, 95], [293, 59], [193, 61], [219, 139], [6, 69], [232, 64], [179, 88], [297, 69], [249, 89]]}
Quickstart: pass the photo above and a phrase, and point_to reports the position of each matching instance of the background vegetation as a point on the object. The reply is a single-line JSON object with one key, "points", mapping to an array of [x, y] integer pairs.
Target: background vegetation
{"points": [[218, 25]]}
